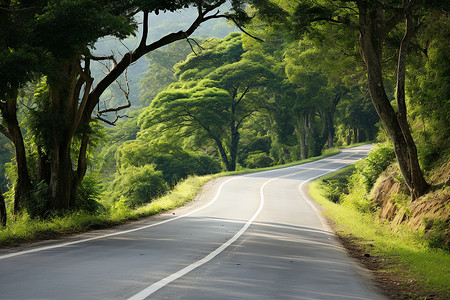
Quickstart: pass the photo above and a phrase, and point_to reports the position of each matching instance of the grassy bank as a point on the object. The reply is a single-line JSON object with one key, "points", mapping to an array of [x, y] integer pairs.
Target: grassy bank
{"points": [[402, 254], [23, 229]]}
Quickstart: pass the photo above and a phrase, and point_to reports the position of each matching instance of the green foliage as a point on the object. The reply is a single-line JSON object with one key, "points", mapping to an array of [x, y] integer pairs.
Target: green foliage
{"points": [[376, 162], [337, 186], [89, 194], [429, 91], [6, 154], [66, 28], [172, 160], [135, 186], [214, 96], [258, 159], [160, 73], [39, 200], [351, 188], [437, 233], [404, 249], [358, 196]]}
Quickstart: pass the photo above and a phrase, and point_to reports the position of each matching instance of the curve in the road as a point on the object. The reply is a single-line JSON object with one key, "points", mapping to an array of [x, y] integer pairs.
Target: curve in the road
{"points": [[145, 293]]}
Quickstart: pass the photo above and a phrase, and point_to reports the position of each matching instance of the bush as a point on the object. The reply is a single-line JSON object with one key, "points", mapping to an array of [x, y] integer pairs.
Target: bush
{"points": [[258, 159], [376, 163], [178, 167], [357, 196], [437, 233], [89, 193], [337, 185], [173, 161], [137, 185]]}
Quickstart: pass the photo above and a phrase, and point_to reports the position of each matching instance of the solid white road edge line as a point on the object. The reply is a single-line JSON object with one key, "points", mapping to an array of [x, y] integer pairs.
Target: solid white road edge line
{"points": [[165, 281], [18, 253], [117, 233], [14, 254], [302, 193]]}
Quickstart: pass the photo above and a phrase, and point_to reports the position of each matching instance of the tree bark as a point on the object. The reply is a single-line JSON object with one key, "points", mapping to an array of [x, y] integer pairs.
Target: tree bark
{"points": [[418, 183], [3, 215], [372, 34], [14, 134], [64, 105]]}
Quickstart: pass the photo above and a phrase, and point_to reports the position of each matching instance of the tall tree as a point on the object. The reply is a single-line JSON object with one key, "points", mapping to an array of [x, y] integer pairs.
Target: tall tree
{"points": [[375, 21], [214, 98], [65, 31]]}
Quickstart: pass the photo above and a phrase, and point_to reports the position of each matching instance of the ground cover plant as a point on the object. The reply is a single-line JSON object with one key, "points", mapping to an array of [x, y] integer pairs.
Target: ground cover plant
{"points": [[406, 257]]}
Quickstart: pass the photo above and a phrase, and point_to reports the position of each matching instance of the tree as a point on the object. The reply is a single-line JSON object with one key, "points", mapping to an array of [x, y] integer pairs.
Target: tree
{"points": [[3, 215], [375, 21], [216, 105], [55, 38]]}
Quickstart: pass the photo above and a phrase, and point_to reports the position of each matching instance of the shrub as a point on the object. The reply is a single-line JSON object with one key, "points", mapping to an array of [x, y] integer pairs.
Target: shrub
{"points": [[337, 185], [178, 167], [89, 193], [376, 163], [358, 196], [437, 233], [258, 159], [138, 185]]}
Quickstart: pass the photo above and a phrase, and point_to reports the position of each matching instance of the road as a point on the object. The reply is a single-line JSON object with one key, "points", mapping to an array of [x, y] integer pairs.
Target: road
{"points": [[255, 236]]}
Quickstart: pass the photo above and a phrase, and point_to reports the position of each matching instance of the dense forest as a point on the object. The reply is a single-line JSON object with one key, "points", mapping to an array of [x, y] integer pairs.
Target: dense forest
{"points": [[100, 112]]}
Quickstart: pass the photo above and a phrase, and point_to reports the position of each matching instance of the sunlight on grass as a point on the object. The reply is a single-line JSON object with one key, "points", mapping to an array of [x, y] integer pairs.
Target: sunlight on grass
{"points": [[24, 229], [403, 249]]}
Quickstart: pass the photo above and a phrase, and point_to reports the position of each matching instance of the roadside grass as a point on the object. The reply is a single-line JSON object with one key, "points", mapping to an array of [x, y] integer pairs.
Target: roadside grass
{"points": [[22, 229], [403, 252]]}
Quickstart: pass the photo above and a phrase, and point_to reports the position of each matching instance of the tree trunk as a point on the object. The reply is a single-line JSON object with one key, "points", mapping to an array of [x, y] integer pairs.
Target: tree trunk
{"points": [[418, 183], [81, 170], [233, 148], [223, 154], [355, 135], [3, 216], [301, 129], [329, 120], [14, 134], [64, 105], [60, 178], [234, 135], [372, 35]]}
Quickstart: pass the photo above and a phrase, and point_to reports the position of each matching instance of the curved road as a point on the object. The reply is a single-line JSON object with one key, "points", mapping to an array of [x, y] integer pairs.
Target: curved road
{"points": [[255, 236]]}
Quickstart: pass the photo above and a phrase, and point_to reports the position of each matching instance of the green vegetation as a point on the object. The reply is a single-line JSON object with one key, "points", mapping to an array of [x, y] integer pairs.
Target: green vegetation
{"points": [[229, 102], [420, 257], [404, 251], [23, 229]]}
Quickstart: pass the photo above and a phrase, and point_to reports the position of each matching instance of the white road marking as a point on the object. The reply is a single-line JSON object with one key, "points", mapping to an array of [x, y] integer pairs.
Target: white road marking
{"points": [[300, 189], [18, 253], [116, 233], [165, 281], [148, 291]]}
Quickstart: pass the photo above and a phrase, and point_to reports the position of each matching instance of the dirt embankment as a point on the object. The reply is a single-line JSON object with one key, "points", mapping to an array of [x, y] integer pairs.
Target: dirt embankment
{"points": [[427, 212]]}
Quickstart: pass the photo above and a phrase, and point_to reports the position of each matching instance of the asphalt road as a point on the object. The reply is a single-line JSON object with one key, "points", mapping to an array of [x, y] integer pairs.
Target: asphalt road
{"points": [[254, 236]]}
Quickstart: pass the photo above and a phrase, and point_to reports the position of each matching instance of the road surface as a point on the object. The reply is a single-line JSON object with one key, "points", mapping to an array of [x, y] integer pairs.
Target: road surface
{"points": [[255, 236]]}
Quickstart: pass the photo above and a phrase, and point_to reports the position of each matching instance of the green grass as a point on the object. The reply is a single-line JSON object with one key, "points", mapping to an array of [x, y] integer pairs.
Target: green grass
{"points": [[405, 253], [23, 229]]}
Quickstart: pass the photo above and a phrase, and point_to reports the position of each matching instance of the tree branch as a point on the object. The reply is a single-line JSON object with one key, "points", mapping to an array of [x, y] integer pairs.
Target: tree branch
{"points": [[145, 32], [140, 51], [9, 10], [244, 117]]}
